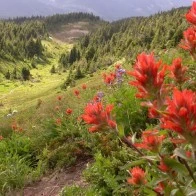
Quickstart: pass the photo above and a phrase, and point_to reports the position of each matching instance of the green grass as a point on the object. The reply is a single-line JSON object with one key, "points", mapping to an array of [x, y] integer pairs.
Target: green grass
{"points": [[21, 95]]}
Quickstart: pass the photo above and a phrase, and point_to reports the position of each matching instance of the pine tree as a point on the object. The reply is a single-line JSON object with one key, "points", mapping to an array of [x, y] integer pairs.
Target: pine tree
{"points": [[25, 73]]}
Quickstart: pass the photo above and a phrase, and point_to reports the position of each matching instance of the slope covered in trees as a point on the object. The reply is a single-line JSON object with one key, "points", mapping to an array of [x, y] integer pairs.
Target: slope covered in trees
{"points": [[21, 40], [126, 38]]}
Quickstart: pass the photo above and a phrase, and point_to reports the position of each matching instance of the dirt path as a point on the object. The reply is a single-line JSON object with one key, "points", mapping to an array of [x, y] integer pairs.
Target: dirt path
{"points": [[53, 184]]}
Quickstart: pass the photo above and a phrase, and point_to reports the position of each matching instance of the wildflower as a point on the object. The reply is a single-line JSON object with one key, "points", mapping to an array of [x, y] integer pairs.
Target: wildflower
{"points": [[149, 76], [191, 15], [150, 140], [98, 97], [59, 98], [178, 70], [99, 117], [84, 86], [69, 111], [14, 126], [109, 79], [188, 154], [180, 115], [118, 66], [138, 176], [1, 137], [58, 121], [189, 41], [160, 188], [77, 93], [163, 167]]}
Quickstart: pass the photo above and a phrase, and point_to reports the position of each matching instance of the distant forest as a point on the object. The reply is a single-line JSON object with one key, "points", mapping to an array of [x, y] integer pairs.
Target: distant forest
{"points": [[126, 38], [20, 38]]}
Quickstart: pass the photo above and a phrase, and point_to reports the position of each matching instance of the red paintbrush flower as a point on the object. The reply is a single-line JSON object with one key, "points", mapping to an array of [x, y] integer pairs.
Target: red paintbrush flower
{"points": [[149, 76], [189, 41], [191, 15], [59, 97], [58, 121], [188, 154], [109, 79], [98, 116], [180, 115], [14, 126], [138, 176], [151, 140], [77, 93], [163, 167], [69, 111], [1, 137], [178, 70], [160, 188], [84, 86]]}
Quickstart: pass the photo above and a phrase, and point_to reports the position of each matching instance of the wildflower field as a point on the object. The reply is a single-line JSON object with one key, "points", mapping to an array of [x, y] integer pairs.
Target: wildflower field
{"points": [[137, 123]]}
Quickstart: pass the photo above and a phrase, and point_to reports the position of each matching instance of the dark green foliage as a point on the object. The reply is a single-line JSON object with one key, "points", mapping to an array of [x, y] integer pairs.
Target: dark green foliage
{"points": [[78, 73], [128, 37], [53, 22], [8, 75], [14, 73], [53, 69], [25, 73], [68, 59], [21, 40], [129, 113]]}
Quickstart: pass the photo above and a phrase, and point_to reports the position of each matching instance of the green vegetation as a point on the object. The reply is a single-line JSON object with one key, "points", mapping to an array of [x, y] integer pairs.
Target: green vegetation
{"points": [[46, 131], [126, 38]]}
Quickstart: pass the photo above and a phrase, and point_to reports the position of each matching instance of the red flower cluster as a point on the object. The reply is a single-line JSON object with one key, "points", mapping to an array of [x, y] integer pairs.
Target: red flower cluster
{"points": [[84, 86], [58, 121], [69, 111], [151, 141], [100, 118], [16, 128], [149, 76], [110, 78], [1, 137], [77, 93], [180, 114], [59, 98], [138, 176], [191, 15], [163, 167], [178, 70], [189, 41]]}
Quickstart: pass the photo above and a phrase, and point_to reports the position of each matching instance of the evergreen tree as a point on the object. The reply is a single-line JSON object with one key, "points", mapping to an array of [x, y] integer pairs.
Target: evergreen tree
{"points": [[25, 73]]}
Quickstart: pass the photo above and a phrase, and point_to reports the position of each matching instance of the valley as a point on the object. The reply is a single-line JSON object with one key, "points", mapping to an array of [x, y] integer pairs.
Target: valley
{"points": [[83, 101]]}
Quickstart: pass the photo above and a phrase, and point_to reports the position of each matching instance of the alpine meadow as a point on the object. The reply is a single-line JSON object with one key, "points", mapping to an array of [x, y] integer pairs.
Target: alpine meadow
{"points": [[97, 107]]}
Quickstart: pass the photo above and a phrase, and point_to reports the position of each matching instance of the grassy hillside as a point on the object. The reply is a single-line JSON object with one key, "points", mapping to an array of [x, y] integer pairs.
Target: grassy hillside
{"points": [[51, 128]]}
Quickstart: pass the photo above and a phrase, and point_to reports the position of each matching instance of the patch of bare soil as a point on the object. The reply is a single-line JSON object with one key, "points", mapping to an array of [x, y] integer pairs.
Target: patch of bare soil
{"points": [[71, 32], [52, 185]]}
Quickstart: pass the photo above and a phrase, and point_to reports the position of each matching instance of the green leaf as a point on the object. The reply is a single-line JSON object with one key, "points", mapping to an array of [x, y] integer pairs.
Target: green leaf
{"points": [[180, 153], [121, 130], [152, 158], [132, 164], [176, 192], [175, 165]]}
